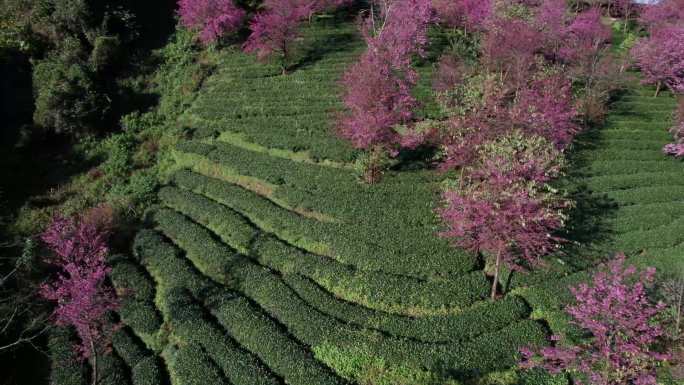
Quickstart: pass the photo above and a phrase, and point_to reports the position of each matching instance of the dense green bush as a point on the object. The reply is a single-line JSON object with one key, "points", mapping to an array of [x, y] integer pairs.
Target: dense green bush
{"points": [[106, 52], [137, 292], [314, 328], [469, 323], [144, 366], [65, 368], [372, 288], [190, 365], [67, 97], [322, 209], [193, 325]]}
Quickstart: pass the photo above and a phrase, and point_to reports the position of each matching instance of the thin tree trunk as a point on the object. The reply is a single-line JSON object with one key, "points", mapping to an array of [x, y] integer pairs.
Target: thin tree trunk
{"points": [[679, 311], [94, 352], [496, 274]]}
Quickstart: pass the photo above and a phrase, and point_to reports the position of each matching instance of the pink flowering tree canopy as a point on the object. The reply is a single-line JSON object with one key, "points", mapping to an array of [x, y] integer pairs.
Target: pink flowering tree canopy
{"points": [[661, 57], [584, 38], [212, 18], [276, 29], [79, 249], [503, 206], [615, 311], [546, 108], [377, 88], [470, 15], [662, 14], [509, 47]]}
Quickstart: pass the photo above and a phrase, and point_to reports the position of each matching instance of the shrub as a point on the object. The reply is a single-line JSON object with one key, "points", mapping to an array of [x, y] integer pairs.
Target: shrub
{"points": [[67, 98], [374, 289], [213, 18], [65, 364], [189, 364], [106, 52]]}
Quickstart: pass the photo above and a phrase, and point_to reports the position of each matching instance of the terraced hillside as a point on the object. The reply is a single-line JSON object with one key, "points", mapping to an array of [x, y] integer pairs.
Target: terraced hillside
{"points": [[269, 263]]}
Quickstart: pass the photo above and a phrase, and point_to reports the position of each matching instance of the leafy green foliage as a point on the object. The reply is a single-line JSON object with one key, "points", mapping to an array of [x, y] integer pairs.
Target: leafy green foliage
{"points": [[67, 98]]}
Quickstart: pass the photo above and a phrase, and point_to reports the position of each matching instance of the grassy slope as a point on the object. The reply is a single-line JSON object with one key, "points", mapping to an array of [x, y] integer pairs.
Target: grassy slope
{"points": [[269, 263]]}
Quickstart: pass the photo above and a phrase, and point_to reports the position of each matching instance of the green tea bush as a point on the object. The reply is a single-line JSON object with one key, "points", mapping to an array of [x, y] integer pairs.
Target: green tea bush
{"points": [[469, 323], [137, 292], [375, 289], [65, 367], [358, 214], [147, 372], [192, 325], [190, 365]]}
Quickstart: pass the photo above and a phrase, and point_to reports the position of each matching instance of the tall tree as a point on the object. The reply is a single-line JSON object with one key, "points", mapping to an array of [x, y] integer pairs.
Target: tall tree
{"points": [[83, 299], [661, 58], [377, 88], [504, 206]]}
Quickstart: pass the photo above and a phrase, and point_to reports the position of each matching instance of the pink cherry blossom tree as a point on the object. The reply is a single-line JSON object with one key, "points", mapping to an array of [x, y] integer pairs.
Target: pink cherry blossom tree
{"points": [[584, 38], [276, 29], [503, 207], [79, 290], [615, 311], [551, 18], [661, 58], [377, 88], [212, 18], [545, 107], [664, 13], [469, 15], [509, 48]]}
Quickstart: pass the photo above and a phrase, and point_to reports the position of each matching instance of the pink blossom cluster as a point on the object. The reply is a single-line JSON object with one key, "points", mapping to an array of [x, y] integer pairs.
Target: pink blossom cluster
{"points": [[79, 290], [276, 28], [615, 310], [212, 18], [664, 13], [545, 107], [674, 149], [377, 88], [503, 207], [661, 57], [510, 47], [471, 15], [584, 37], [465, 134], [552, 19]]}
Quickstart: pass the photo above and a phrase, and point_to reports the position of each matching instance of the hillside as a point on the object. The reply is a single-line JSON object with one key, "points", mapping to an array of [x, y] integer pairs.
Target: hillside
{"points": [[267, 262]]}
